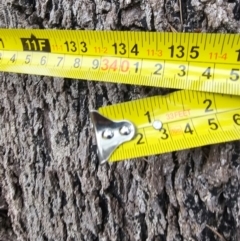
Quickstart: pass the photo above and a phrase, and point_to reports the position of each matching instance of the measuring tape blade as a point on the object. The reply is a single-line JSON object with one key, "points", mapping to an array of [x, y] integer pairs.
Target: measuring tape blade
{"points": [[196, 61], [181, 120], [184, 119]]}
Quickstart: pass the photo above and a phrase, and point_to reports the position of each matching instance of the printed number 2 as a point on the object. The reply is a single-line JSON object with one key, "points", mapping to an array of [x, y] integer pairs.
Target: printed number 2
{"points": [[159, 68], [208, 106], [140, 141]]}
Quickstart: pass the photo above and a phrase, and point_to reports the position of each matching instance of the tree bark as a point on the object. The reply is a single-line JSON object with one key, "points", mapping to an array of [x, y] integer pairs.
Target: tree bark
{"points": [[52, 187]]}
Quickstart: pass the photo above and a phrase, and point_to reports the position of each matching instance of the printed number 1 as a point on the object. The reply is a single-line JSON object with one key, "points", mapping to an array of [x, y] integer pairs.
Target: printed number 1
{"points": [[148, 116], [2, 42], [238, 51]]}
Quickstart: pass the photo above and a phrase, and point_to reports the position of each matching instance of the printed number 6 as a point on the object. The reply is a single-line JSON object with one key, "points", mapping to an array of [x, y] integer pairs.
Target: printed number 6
{"points": [[43, 60]]}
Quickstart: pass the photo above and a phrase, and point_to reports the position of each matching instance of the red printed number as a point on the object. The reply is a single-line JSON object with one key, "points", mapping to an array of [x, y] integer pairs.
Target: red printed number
{"points": [[114, 65]]}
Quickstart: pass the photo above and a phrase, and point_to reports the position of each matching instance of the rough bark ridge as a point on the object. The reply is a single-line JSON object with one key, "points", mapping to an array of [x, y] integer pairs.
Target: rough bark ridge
{"points": [[51, 185]]}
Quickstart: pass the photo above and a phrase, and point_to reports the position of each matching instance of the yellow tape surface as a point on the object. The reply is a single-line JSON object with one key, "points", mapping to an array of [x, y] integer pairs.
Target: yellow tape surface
{"points": [[196, 61], [189, 119]]}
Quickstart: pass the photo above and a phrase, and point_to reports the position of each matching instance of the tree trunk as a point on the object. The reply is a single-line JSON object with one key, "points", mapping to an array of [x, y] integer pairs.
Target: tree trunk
{"points": [[52, 187]]}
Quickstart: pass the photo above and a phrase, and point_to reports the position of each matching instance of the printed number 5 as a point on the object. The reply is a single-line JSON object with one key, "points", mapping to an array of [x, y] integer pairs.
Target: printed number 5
{"points": [[194, 52], [28, 59], [213, 125], [234, 74]]}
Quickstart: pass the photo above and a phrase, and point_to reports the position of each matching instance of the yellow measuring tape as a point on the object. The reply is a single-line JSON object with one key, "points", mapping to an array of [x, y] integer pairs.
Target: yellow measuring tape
{"points": [[203, 62], [193, 61], [183, 119]]}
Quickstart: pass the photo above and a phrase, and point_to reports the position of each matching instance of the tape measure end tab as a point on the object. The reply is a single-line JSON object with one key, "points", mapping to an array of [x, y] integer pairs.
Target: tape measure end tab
{"points": [[110, 134]]}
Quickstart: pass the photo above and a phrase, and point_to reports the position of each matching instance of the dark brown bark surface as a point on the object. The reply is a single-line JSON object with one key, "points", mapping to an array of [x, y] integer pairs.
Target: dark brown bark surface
{"points": [[52, 187]]}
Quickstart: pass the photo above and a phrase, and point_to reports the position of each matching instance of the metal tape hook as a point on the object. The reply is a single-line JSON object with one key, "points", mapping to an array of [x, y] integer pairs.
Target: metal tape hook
{"points": [[110, 134]]}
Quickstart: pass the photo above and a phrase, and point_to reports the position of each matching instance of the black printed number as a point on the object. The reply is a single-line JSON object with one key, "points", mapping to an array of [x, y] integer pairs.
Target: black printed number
{"points": [[236, 119], [209, 102], [164, 134], [234, 74], [84, 47], [238, 57], [95, 64], [134, 49], [180, 53], [213, 125], [60, 59], [71, 46], [207, 73], [28, 59], [43, 60], [188, 129], [122, 48], [76, 63], [183, 70], [2, 42], [140, 140], [136, 65], [159, 68], [194, 52], [13, 58], [148, 116]]}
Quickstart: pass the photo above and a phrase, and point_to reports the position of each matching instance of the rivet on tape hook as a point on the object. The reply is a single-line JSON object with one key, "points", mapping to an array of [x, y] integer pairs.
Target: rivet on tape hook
{"points": [[110, 134]]}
